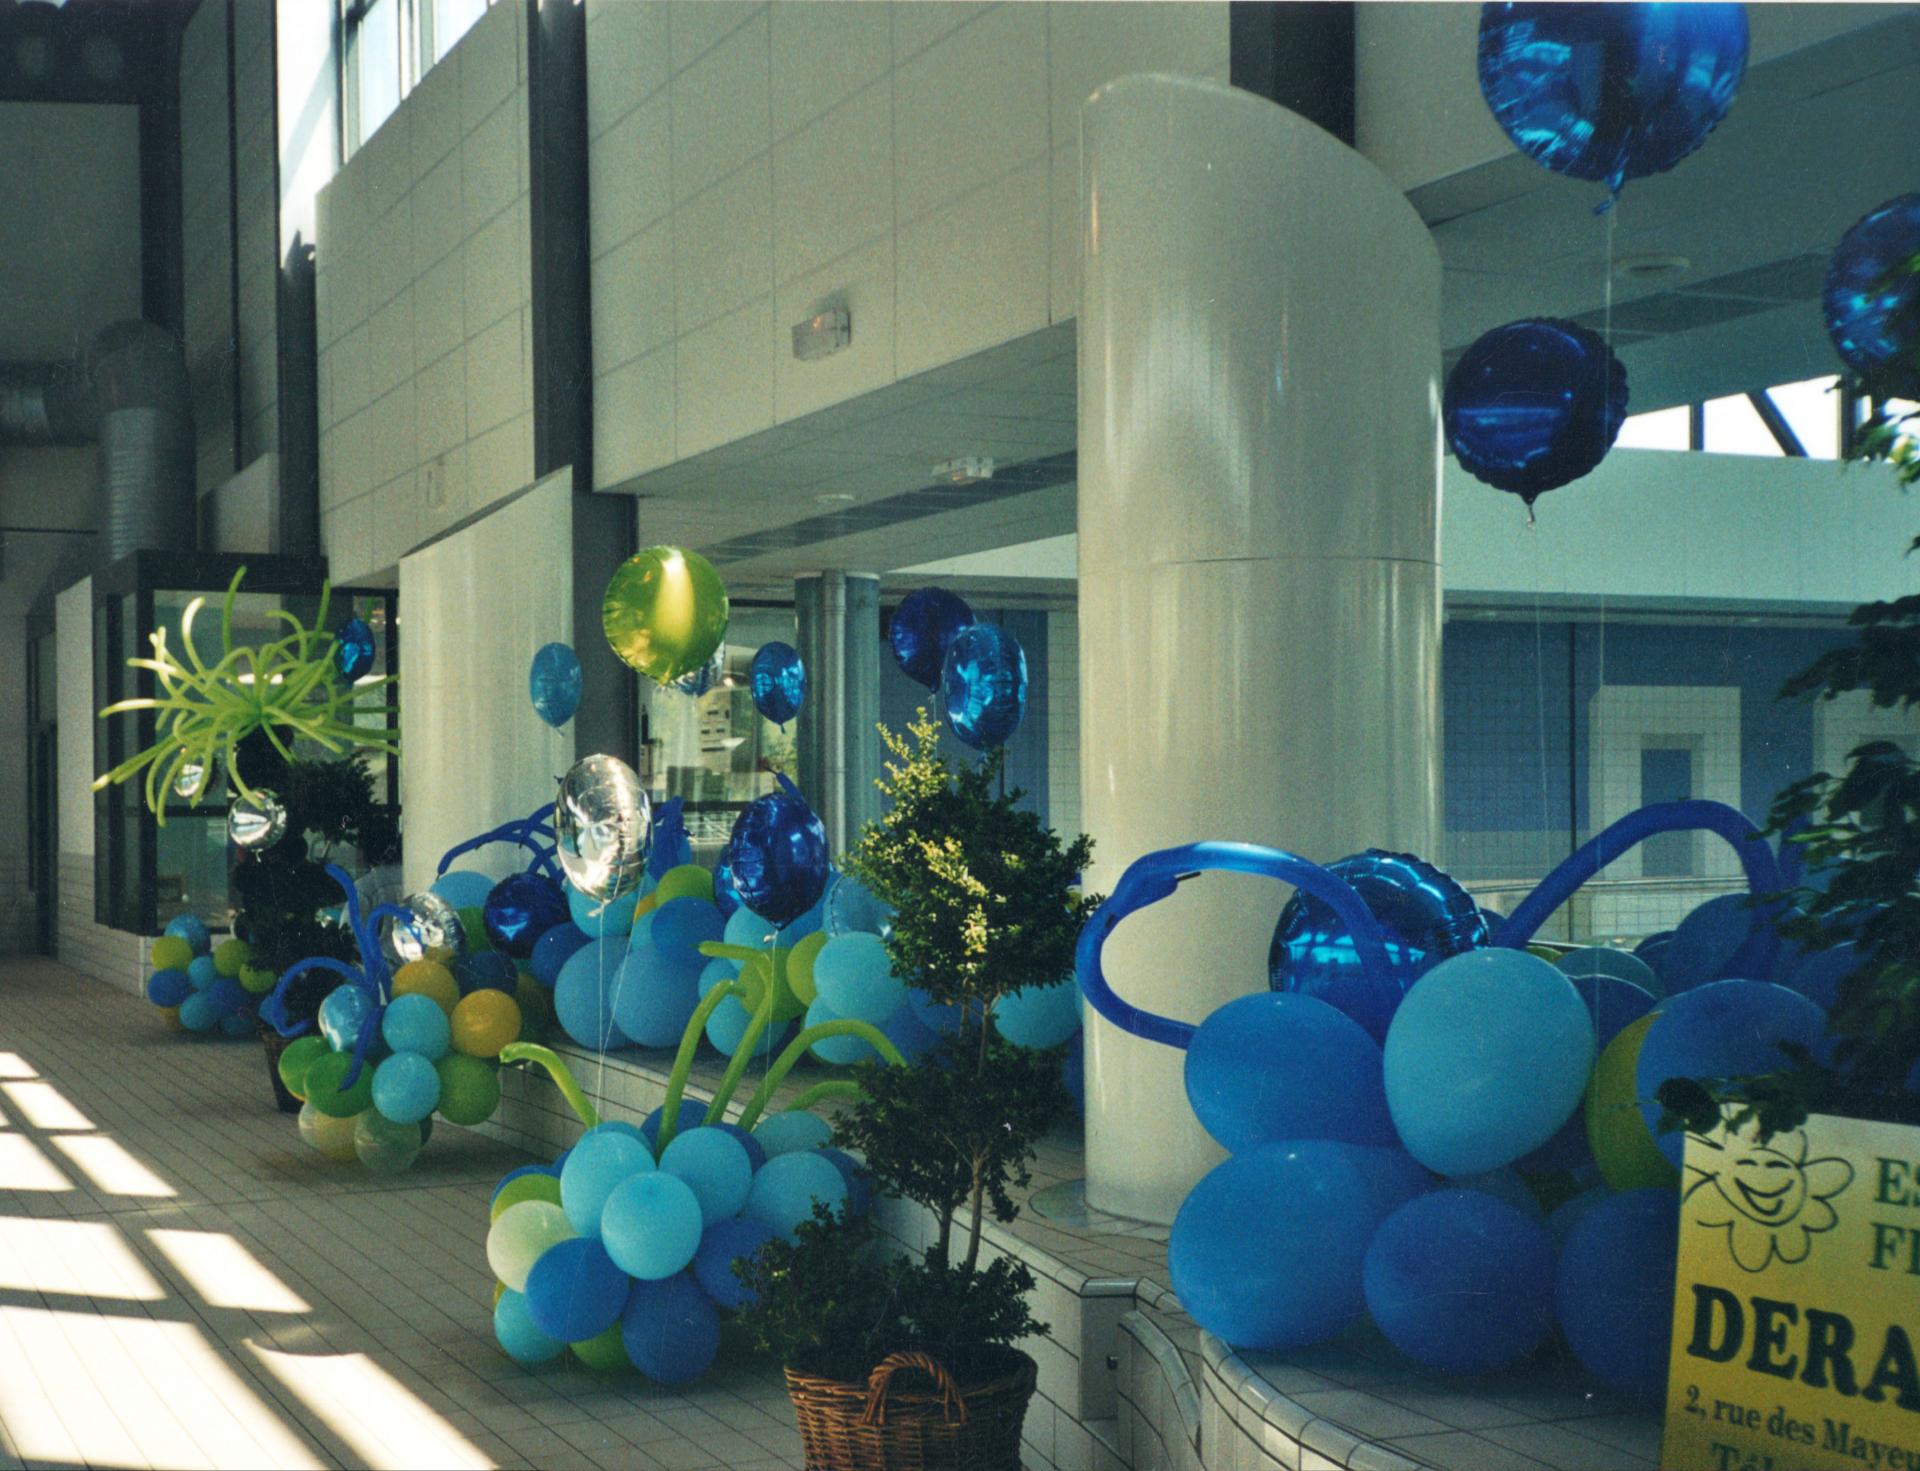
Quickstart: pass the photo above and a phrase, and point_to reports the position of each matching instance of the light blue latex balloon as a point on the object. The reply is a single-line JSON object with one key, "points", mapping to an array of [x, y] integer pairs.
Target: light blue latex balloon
{"points": [[1039, 1016], [1461, 1282], [199, 1012], [1727, 1029], [415, 1023], [1486, 1058], [715, 1166], [792, 1131], [596, 919], [192, 929], [464, 888], [670, 1329], [342, 1015], [843, 1050], [201, 972], [1280, 1065], [910, 1035], [747, 928], [553, 683], [942, 1020], [583, 994], [654, 997], [679, 927], [406, 1087], [1621, 965], [236, 1024], [854, 976], [852, 909], [514, 1330], [1266, 1250], [651, 1226], [600, 1163], [786, 1187]]}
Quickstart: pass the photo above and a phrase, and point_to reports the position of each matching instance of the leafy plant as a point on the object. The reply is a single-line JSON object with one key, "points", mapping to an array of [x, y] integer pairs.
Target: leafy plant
{"points": [[984, 905]]}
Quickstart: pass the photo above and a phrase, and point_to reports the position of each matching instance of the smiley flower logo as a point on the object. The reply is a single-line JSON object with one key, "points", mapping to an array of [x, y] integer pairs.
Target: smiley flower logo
{"points": [[1771, 1198]]}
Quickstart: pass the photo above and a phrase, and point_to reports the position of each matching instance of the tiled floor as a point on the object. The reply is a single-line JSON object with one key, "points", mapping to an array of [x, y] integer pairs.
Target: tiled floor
{"points": [[183, 1283]]}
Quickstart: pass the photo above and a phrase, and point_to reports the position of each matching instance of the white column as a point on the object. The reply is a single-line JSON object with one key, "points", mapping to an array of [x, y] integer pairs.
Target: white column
{"points": [[1259, 553]]}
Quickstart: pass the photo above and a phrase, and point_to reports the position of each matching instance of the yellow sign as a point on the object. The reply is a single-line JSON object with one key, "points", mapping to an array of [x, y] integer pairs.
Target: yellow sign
{"points": [[1797, 1302]]}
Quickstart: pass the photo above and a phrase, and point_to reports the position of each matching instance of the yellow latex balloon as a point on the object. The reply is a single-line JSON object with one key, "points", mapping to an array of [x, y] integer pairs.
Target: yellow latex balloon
{"points": [[332, 1136], [485, 1022], [230, 955], [665, 612], [688, 881], [606, 1351], [647, 905], [257, 979], [170, 952], [800, 966], [1622, 1144], [171, 1015], [428, 978], [499, 1291]]}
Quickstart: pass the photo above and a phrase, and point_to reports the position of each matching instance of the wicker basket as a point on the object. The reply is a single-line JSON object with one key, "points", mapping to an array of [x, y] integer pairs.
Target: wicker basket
{"points": [[885, 1426]]}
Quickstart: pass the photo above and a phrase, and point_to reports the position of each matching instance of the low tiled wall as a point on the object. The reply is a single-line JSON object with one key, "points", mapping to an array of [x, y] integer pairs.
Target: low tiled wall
{"points": [[113, 956]]}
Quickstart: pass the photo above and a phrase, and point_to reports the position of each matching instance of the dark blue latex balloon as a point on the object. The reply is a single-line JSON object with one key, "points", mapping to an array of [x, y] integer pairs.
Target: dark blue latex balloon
{"points": [[670, 1329], [485, 970], [778, 855], [521, 909], [1533, 405], [575, 1291], [553, 683], [1427, 917], [1461, 1282], [1277, 1066], [1872, 298], [1610, 92], [984, 685], [672, 848], [553, 949], [779, 681], [353, 649], [1615, 1289], [922, 627], [168, 987]]}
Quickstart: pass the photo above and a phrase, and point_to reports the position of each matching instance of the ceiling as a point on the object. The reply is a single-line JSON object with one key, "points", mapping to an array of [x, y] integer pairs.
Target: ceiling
{"points": [[1819, 135]]}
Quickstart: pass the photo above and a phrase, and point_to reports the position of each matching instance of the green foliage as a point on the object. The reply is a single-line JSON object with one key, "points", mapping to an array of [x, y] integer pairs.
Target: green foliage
{"points": [[984, 905], [981, 890]]}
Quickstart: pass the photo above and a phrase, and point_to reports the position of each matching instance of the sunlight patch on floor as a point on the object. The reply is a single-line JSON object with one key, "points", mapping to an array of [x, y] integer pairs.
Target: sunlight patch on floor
{"points": [[45, 1106], [111, 1167], [25, 1166], [386, 1424], [224, 1274], [13, 1065], [76, 1258]]}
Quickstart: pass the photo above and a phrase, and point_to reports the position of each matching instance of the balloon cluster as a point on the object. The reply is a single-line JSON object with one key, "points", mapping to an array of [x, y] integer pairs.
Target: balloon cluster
{"points": [[978, 669], [1394, 1173], [399, 1043], [623, 1248], [203, 987]]}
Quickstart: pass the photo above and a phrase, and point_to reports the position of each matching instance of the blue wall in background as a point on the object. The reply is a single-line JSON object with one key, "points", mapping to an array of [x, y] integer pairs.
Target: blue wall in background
{"points": [[1512, 691]]}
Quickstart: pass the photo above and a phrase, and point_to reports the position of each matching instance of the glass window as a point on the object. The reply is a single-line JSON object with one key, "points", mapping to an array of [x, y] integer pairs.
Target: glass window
{"points": [[377, 74], [1661, 429], [452, 19], [1811, 408], [1734, 427]]}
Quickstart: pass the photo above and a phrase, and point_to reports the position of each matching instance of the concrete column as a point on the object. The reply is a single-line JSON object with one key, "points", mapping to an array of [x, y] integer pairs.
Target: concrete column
{"points": [[1259, 554], [838, 617]]}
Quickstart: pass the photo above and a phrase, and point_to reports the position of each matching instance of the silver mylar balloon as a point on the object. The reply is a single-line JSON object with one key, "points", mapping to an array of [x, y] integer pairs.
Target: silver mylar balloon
{"points": [[257, 822], [435, 927], [603, 827], [189, 779]]}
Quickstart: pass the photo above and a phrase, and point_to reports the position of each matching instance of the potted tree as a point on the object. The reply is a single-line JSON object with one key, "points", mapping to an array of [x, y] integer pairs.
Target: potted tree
{"points": [[908, 1360]]}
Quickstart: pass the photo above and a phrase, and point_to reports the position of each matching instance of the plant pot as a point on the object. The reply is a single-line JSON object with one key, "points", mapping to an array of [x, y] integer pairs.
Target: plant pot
{"points": [[911, 1415], [275, 1044]]}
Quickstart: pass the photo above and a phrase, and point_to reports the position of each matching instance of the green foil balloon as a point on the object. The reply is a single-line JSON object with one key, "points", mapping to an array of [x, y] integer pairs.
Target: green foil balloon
{"points": [[665, 612]]}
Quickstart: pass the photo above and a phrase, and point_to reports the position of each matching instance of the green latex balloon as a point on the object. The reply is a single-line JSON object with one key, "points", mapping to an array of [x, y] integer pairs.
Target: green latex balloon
{"points": [[665, 612], [383, 1146], [230, 955], [688, 881], [324, 1092], [301, 1054], [755, 975], [1622, 1145], [469, 1089], [800, 967], [606, 1351], [524, 1187], [170, 952], [474, 923]]}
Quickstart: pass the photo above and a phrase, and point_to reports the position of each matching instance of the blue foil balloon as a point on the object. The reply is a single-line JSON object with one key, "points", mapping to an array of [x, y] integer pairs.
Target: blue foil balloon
{"points": [[1427, 915], [779, 682], [521, 909], [1534, 405], [920, 630], [1610, 92], [353, 649], [777, 856], [553, 683], [984, 685], [1872, 298], [343, 1014]]}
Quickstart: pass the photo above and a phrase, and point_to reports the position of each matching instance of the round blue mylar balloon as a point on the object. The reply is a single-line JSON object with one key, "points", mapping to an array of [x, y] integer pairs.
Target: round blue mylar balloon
{"points": [[1266, 1249], [1461, 1282], [778, 681], [983, 685], [1611, 92], [192, 929], [1872, 298], [1615, 1289], [1534, 404], [553, 683], [1427, 917], [522, 908], [1280, 1066], [920, 630], [343, 1014], [777, 855], [353, 648]]}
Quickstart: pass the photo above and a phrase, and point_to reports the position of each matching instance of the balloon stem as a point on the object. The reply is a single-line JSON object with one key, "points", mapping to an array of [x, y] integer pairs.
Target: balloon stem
{"points": [[683, 1060], [797, 1048], [562, 1075], [742, 1055]]}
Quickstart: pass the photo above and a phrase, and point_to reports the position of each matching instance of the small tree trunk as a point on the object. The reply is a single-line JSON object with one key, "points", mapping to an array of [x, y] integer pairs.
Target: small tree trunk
{"points": [[975, 1204]]}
